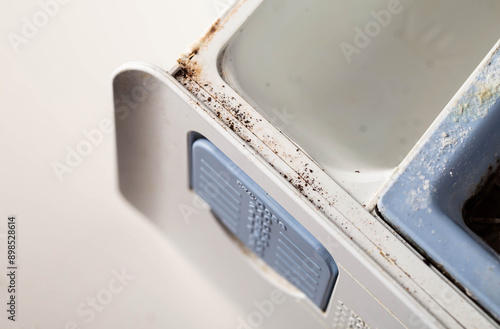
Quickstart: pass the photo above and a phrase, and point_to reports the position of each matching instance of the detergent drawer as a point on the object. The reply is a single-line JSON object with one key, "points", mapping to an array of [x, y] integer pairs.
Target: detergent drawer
{"points": [[162, 143], [350, 123]]}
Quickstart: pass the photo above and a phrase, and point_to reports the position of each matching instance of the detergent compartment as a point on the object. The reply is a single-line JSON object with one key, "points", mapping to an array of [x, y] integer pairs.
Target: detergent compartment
{"points": [[356, 83]]}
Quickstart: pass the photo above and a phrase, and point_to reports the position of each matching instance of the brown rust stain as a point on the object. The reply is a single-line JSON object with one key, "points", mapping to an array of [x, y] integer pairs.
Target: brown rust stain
{"points": [[386, 256], [211, 31], [186, 61], [192, 67]]}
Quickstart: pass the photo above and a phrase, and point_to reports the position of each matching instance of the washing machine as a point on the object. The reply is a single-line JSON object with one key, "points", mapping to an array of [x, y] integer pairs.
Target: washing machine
{"points": [[327, 164]]}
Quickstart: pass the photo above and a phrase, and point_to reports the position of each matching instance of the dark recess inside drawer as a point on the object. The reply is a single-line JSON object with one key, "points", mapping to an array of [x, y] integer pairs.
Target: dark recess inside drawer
{"points": [[481, 213]]}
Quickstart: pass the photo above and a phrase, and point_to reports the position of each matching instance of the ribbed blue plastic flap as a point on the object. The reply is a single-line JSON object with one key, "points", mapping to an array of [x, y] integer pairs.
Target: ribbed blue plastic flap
{"points": [[261, 223]]}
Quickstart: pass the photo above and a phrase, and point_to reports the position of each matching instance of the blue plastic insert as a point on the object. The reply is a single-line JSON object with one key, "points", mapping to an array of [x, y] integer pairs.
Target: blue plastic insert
{"points": [[425, 200], [259, 222]]}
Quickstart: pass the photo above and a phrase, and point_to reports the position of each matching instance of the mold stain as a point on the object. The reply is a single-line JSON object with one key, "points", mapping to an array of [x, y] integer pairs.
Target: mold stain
{"points": [[186, 60], [306, 184], [236, 118], [476, 101], [472, 105]]}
